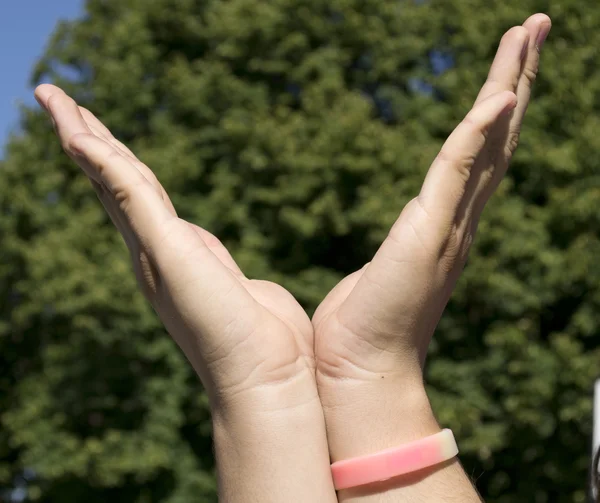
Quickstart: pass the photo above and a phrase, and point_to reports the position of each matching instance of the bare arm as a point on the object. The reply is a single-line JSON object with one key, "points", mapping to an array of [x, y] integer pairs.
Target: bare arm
{"points": [[249, 341], [373, 330]]}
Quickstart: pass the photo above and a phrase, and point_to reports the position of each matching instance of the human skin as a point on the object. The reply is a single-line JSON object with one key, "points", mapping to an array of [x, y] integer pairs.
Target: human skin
{"points": [[252, 344], [248, 340], [373, 329]]}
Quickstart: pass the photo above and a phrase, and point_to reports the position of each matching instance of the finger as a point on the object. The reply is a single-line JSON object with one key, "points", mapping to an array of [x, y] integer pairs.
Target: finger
{"points": [[146, 215], [116, 215], [69, 123], [538, 26], [409, 260], [505, 138], [43, 93], [104, 165], [141, 204], [181, 263], [67, 120], [103, 132], [140, 166], [214, 244], [446, 182], [336, 296], [506, 69], [95, 123], [145, 273], [151, 222], [46, 93], [51, 97]]}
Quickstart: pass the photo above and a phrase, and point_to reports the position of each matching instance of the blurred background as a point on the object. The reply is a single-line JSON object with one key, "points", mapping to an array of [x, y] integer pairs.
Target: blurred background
{"points": [[295, 130]]}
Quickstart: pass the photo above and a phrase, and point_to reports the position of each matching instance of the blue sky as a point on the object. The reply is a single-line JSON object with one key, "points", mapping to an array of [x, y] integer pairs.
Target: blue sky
{"points": [[25, 28]]}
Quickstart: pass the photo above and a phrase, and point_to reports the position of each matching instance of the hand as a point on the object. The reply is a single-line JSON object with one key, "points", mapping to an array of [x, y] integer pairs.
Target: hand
{"points": [[249, 341], [373, 329]]}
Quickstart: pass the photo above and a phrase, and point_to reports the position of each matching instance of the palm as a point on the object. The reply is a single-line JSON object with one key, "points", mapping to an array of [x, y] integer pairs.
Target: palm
{"points": [[211, 309], [390, 307], [409, 247], [276, 326]]}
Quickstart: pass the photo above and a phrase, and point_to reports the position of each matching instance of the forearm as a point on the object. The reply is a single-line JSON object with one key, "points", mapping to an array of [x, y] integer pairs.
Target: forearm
{"points": [[384, 415], [271, 446]]}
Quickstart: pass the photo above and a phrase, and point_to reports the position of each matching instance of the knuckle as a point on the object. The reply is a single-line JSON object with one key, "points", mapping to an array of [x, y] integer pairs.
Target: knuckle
{"points": [[444, 156], [514, 82], [70, 101], [52, 100], [114, 154], [463, 169], [450, 249], [123, 197], [512, 142], [149, 175], [121, 145], [507, 36], [460, 164], [126, 192], [465, 248], [478, 127], [469, 120], [519, 31], [109, 158], [456, 247], [515, 32], [487, 176], [530, 74], [75, 143]]}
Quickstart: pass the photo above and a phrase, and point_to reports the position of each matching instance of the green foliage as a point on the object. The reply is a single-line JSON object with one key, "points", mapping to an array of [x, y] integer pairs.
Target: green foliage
{"points": [[296, 130]]}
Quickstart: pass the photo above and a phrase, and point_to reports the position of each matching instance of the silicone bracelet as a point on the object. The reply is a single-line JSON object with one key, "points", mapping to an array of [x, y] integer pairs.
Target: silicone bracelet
{"points": [[396, 461]]}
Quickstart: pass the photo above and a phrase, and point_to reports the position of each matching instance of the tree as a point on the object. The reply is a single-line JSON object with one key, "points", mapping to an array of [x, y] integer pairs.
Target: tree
{"points": [[296, 130]]}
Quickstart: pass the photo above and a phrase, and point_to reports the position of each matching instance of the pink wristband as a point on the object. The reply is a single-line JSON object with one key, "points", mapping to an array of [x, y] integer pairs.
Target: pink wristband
{"points": [[396, 461]]}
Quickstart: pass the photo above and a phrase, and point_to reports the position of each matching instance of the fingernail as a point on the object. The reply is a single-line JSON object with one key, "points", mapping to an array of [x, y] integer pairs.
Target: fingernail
{"points": [[541, 38]]}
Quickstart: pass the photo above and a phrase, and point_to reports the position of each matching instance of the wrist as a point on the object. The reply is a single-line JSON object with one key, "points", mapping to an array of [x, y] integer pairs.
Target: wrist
{"points": [[256, 425], [258, 431], [278, 398], [365, 417], [272, 447], [257, 410]]}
